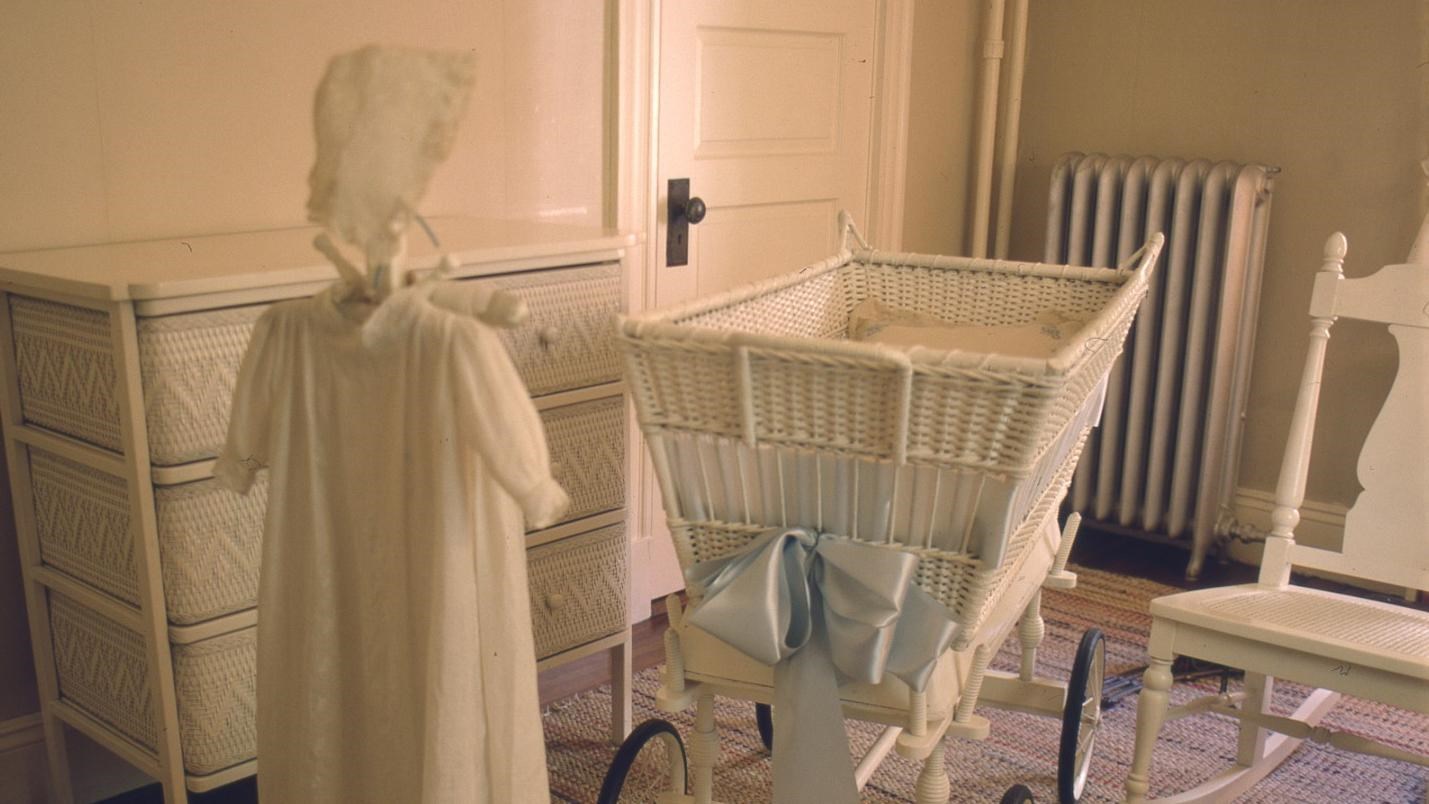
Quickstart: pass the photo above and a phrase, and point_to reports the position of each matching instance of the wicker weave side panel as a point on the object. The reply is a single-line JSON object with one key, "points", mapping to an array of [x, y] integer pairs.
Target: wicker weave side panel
{"points": [[845, 406], [1083, 382], [1003, 422], [704, 541], [82, 520], [65, 362], [816, 308], [587, 443], [189, 366], [569, 340], [210, 546], [983, 298], [215, 682], [977, 419], [102, 669], [578, 589], [982, 588], [684, 385]]}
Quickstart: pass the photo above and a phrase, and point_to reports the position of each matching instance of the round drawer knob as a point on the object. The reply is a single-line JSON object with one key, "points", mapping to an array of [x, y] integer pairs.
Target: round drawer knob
{"points": [[548, 336], [555, 600]]}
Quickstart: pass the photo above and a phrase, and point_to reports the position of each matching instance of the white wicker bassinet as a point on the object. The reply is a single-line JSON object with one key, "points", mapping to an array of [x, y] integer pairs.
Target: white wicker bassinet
{"points": [[761, 412]]}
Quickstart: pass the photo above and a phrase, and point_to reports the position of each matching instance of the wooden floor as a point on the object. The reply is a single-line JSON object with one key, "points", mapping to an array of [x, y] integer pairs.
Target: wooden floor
{"points": [[1165, 563], [593, 671]]}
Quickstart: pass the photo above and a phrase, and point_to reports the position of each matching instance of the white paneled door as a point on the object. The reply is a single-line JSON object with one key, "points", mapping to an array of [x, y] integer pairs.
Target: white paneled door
{"points": [[765, 107]]}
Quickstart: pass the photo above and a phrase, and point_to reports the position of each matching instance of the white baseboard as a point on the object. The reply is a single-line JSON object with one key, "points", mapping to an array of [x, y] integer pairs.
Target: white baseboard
{"points": [[1321, 525], [19, 732], [23, 768], [95, 773]]}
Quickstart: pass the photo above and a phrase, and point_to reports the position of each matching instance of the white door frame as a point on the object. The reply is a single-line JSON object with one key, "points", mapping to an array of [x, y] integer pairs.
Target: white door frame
{"points": [[632, 198]]}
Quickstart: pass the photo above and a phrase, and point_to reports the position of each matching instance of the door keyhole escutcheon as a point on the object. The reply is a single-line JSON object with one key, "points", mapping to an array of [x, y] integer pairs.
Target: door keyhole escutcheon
{"points": [[680, 212]]}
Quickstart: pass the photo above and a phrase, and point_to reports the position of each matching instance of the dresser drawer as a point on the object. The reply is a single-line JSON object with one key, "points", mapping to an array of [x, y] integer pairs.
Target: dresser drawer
{"points": [[569, 340], [587, 445], [103, 670], [578, 589], [209, 538], [577, 592], [188, 363]]}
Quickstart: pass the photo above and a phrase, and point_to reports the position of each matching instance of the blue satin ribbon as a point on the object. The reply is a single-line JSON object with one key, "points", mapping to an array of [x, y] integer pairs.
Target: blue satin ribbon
{"points": [[821, 610]]}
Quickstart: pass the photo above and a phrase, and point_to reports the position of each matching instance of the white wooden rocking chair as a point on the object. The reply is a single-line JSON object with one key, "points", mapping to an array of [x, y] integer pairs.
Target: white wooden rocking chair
{"points": [[1337, 643]]}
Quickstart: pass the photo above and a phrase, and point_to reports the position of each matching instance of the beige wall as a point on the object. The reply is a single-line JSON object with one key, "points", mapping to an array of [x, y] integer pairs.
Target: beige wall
{"points": [[127, 120], [1329, 91], [940, 130], [123, 120]]}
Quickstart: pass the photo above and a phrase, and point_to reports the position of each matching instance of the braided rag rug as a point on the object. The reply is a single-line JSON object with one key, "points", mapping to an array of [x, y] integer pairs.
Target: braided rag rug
{"points": [[1023, 748]]}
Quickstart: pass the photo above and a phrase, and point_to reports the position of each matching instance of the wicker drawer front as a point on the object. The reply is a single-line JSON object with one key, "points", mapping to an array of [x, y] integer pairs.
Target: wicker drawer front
{"points": [[210, 547], [189, 362], [578, 589], [209, 537], [82, 519], [587, 444], [65, 363], [569, 340], [188, 365], [102, 670], [216, 683]]}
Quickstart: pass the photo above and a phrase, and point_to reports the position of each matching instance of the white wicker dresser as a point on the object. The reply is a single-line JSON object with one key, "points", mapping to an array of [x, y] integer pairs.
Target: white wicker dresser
{"points": [[141, 572]]}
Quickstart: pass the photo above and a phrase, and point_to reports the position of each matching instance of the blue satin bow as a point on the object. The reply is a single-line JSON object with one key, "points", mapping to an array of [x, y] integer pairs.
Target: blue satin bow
{"points": [[821, 610]]}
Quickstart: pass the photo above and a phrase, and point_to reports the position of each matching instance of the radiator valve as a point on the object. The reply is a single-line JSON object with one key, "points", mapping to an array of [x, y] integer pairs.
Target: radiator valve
{"points": [[1228, 528]]}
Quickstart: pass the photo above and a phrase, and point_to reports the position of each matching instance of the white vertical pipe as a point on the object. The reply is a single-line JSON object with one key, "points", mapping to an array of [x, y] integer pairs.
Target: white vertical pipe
{"points": [[1011, 122], [992, 46]]}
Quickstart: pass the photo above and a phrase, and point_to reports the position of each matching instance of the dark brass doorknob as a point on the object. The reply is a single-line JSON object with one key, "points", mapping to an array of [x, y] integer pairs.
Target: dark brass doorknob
{"points": [[694, 211]]}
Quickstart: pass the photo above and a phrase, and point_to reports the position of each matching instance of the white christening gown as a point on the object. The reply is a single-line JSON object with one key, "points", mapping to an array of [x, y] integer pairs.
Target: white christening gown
{"points": [[395, 656]]}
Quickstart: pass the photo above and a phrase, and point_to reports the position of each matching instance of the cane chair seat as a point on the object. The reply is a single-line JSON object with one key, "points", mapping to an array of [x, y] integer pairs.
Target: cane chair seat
{"points": [[1349, 631]]}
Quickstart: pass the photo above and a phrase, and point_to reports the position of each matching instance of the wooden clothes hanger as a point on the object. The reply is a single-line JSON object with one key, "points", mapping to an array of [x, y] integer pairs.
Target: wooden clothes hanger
{"points": [[493, 306]]}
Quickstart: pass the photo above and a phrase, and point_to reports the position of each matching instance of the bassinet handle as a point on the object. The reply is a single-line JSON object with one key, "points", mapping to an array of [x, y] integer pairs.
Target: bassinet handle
{"points": [[847, 230], [1151, 248]]}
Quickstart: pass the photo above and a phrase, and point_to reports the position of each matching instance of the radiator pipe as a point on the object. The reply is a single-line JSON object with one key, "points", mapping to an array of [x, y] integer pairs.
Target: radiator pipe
{"points": [[992, 46], [1011, 123]]}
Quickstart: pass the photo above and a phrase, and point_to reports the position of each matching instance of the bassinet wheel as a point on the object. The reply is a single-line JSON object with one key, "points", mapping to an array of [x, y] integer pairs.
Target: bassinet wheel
{"points": [[1017, 794], [625, 757], [1082, 716], [764, 719]]}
